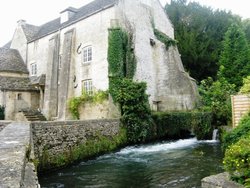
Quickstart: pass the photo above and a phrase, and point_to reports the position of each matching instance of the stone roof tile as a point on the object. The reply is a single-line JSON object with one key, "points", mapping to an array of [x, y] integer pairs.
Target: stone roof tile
{"points": [[11, 61], [81, 13], [16, 84], [30, 31]]}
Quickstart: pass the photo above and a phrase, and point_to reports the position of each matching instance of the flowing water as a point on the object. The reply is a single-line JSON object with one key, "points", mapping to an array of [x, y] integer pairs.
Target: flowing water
{"points": [[181, 164]]}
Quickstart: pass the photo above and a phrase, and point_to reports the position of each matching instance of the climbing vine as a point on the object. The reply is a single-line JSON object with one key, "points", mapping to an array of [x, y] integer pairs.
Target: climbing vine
{"points": [[164, 38], [74, 103], [131, 96]]}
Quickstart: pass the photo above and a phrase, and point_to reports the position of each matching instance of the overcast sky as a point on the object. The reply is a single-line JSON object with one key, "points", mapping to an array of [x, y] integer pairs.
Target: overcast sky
{"points": [[38, 12]]}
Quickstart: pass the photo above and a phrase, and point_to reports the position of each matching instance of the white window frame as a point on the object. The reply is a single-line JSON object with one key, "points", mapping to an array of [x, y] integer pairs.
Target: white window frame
{"points": [[33, 69], [87, 86], [87, 54]]}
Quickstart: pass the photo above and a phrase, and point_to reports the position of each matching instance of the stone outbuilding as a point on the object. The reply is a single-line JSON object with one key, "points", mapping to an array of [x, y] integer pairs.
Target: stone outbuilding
{"points": [[16, 91], [68, 55]]}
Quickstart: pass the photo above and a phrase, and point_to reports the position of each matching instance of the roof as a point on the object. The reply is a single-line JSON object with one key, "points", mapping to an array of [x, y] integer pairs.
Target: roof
{"points": [[7, 45], [80, 14], [16, 84], [40, 80], [11, 61], [30, 31], [71, 9]]}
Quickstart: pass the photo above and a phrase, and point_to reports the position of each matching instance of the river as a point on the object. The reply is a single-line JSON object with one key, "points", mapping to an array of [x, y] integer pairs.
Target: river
{"points": [[181, 164]]}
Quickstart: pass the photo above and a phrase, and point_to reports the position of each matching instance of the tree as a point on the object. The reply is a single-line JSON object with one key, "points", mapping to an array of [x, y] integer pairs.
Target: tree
{"points": [[245, 89], [235, 58], [215, 97], [199, 31]]}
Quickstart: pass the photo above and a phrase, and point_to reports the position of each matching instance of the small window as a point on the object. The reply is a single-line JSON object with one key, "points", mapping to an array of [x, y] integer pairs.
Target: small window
{"points": [[87, 54], [19, 96], [60, 62], [87, 87], [33, 69]]}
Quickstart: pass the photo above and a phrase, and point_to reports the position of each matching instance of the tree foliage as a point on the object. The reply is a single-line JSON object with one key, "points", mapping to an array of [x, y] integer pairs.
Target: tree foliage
{"points": [[216, 98], [235, 58], [199, 31], [245, 89]]}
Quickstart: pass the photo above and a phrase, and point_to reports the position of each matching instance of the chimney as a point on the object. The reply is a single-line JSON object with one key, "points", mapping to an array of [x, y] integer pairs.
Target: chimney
{"points": [[67, 14], [21, 22]]}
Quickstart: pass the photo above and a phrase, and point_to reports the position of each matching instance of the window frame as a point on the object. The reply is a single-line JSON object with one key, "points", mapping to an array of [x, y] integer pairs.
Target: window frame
{"points": [[87, 54], [87, 86], [33, 69]]}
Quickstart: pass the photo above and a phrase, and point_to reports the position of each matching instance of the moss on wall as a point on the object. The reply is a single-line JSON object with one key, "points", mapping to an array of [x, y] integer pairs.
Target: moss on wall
{"points": [[94, 146], [180, 124]]}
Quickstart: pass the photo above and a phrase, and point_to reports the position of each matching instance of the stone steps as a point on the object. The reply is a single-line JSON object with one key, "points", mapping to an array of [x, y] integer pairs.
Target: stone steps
{"points": [[34, 115]]}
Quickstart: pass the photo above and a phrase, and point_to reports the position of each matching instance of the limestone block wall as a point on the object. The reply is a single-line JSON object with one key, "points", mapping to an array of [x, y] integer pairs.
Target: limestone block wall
{"points": [[104, 110], [60, 136], [19, 42], [38, 53], [168, 85], [13, 105]]}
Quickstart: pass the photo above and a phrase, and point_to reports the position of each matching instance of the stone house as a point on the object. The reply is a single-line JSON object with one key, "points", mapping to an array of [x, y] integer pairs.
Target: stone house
{"points": [[16, 91], [69, 54]]}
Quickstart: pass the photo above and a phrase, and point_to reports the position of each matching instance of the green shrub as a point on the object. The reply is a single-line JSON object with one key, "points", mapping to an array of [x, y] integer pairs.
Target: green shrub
{"points": [[130, 95], [136, 113], [2, 109], [164, 39], [236, 134], [215, 98], [237, 160], [178, 124], [74, 103]]}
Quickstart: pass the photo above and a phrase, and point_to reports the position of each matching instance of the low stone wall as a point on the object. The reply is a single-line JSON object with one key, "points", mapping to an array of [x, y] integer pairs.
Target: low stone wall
{"points": [[57, 144], [14, 153]]}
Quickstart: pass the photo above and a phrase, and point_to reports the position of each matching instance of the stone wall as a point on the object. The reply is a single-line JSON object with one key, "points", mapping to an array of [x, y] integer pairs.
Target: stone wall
{"points": [[104, 110], [168, 85], [55, 142], [15, 169]]}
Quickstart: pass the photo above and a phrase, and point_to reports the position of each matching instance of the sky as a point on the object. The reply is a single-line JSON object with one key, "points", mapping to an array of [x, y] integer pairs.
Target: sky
{"points": [[38, 12]]}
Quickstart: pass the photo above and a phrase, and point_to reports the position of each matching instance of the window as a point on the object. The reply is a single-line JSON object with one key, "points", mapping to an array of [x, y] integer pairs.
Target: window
{"points": [[33, 69], [87, 87], [19, 96], [87, 54]]}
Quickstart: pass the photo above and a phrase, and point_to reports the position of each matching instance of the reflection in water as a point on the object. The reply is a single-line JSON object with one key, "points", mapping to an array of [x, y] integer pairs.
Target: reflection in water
{"points": [[182, 163]]}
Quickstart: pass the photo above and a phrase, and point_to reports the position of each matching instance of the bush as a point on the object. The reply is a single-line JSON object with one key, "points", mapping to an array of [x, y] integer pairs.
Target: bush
{"points": [[216, 98], [237, 161], [2, 112], [179, 124], [236, 134]]}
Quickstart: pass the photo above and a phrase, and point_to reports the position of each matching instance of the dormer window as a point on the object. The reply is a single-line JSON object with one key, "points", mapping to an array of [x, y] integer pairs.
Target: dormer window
{"points": [[67, 14]]}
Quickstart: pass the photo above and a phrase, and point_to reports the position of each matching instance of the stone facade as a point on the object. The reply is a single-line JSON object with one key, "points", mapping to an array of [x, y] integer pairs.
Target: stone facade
{"points": [[72, 52], [16, 91]]}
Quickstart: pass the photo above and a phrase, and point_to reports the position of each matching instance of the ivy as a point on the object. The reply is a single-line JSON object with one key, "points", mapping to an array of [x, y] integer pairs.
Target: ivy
{"points": [[164, 38], [136, 113], [75, 102], [131, 96]]}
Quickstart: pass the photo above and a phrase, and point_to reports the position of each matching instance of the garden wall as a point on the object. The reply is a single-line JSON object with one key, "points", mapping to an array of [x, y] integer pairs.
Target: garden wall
{"points": [[57, 144]]}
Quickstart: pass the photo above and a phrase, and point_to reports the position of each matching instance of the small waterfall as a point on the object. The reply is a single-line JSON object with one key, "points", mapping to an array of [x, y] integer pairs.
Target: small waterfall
{"points": [[215, 134]]}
